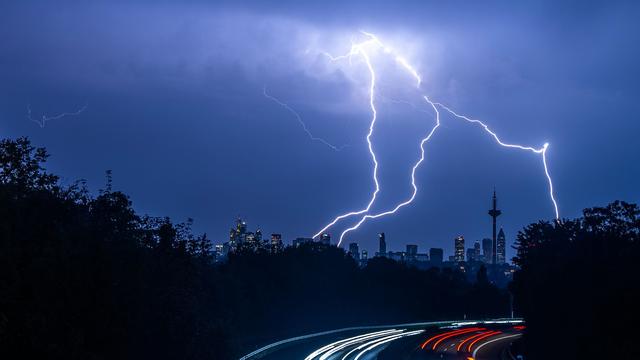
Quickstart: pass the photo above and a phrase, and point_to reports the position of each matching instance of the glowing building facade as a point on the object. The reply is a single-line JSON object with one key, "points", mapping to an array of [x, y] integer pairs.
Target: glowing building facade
{"points": [[501, 248], [458, 254]]}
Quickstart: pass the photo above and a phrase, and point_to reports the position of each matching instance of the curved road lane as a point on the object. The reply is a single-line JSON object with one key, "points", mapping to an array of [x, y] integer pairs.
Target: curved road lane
{"points": [[436, 340]]}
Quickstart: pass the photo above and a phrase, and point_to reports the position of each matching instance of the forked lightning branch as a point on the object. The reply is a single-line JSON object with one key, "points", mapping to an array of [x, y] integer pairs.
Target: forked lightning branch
{"points": [[365, 50]]}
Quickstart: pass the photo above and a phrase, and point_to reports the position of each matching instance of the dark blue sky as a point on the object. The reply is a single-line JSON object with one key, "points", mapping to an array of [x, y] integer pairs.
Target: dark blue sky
{"points": [[175, 108]]}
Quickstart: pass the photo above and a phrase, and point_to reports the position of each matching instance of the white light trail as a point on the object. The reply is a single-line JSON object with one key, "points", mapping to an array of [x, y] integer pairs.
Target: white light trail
{"points": [[302, 123], [492, 341], [377, 342], [43, 121], [360, 49], [337, 346]]}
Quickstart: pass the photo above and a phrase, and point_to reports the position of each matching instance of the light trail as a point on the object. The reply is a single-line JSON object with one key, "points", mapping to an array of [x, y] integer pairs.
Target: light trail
{"points": [[490, 334], [359, 49], [454, 332], [360, 339], [338, 345], [43, 121], [435, 344], [466, 340], [378, 343], [302, 123], [475, 352]]}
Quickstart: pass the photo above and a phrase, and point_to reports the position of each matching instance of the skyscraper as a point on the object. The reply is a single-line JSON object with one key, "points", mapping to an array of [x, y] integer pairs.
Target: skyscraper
{"points": [[458, 254], [487, 250], [412, 252], [501, 248], [325, 239], [301, 240], [382, 244], [354, 251], [276, 241], [238, 235], [494, 213], [476, 251], [471, 254]]}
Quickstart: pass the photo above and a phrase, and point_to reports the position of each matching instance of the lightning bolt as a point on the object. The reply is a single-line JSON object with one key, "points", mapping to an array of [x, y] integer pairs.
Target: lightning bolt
{"points": [[43, 121], [302, 123], [542, 151], [359, 49]]}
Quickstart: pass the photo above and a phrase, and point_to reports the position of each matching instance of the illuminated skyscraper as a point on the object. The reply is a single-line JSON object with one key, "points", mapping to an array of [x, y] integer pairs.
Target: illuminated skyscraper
{"points": [[354, 251], [219, 252], [276, 241], [238, 234], [501, 248], [382, 244], [458, 254]]}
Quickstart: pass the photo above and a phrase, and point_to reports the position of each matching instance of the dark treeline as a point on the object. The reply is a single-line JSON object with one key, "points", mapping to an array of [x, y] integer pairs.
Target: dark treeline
{"points": [[85, 277], [579, 285]]}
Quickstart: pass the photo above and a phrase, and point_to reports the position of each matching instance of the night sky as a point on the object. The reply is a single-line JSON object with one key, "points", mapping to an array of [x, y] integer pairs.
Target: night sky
{"points": [[175, 107]]}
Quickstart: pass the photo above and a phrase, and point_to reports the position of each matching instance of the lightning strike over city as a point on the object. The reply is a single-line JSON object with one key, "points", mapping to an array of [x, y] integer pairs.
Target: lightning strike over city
{"points": [[334, 180], [361, 49]]}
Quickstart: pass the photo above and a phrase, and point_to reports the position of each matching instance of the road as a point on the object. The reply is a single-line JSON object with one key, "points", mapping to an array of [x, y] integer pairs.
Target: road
{"points": [[482, 340]]}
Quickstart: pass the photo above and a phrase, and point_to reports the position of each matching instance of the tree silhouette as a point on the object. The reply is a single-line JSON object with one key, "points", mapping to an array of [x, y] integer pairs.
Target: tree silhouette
{"points": [[578, 281]]}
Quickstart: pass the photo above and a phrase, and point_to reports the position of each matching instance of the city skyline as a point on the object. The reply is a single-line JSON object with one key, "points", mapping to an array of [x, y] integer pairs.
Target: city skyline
{"points": [[493, 253]]}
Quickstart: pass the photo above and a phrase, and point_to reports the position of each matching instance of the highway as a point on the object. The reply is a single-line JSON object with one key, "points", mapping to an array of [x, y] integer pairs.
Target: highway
{"points": [[440, 340]]}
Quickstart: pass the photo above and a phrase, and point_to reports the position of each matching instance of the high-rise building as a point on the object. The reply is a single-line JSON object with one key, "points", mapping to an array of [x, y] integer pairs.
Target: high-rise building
{"points": [[301, 240], [487, 250], [436, 255], [494, 213], [250, 238], [238, 234], [325, 239], [476, 250], [365, 256], [276, 241], [354, 251], [258, 235], [501, 248], [471, 254], [458, 254], [412, 252], [219, 252], [382, 244]]}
